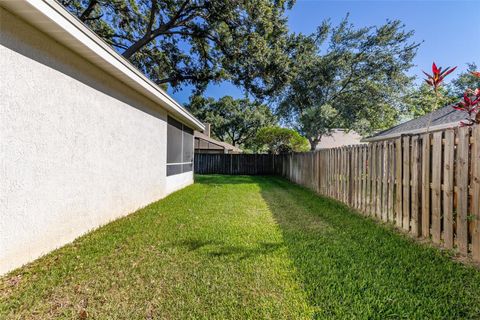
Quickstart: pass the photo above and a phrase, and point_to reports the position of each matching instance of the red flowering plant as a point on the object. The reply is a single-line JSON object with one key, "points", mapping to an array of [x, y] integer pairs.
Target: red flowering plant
{"points": [[470, 105], [435, 80], [437, 76]]}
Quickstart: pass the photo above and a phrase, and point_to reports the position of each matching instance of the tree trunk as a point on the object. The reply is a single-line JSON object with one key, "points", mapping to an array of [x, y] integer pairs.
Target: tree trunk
{"points": [[313, 143]]}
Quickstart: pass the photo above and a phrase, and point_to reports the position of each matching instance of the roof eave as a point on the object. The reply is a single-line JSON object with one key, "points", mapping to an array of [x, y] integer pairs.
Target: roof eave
{"points": [[51, 18]]}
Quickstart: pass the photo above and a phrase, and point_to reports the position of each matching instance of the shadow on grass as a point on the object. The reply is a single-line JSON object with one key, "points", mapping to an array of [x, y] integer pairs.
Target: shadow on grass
{"points": [[213, 179], [217, 249], [352, 267], [245, 253]]}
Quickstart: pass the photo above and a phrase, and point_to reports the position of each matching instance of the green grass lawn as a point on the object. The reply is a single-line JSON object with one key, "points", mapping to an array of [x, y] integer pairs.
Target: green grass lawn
{"points": [[243, 248]]}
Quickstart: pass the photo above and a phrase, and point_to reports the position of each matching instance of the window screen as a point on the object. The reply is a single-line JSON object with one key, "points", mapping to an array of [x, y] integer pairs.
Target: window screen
{"points": [[179, 147], [187, 146]]}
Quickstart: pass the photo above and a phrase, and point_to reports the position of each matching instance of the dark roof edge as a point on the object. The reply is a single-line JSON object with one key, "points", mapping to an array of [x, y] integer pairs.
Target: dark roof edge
{"points": [[442, 126], [225, 145]]}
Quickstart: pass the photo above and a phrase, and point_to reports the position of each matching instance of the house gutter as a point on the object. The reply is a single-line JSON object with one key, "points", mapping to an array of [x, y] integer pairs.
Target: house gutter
{"points": [[51, 18], [439, 127]]}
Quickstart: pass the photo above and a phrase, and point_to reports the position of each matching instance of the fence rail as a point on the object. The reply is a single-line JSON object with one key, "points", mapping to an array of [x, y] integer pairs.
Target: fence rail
{"points": [[427, 184]]}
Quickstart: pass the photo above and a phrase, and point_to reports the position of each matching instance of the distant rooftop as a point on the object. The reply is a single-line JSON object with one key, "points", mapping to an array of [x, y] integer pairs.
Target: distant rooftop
{"points": [[219, 144], [339, 138], [442, 118]]}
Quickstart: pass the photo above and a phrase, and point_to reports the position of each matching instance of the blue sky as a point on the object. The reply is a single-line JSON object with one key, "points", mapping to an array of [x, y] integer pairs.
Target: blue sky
{"points": [[450, 30]]}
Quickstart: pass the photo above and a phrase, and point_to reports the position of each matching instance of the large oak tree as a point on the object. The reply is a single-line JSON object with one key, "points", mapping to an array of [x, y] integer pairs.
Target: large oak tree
{"points": [[196, 42]]}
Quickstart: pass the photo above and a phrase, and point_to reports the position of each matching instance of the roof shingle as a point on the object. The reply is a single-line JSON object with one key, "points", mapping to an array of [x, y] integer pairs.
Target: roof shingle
{"points": [[439, 118]]}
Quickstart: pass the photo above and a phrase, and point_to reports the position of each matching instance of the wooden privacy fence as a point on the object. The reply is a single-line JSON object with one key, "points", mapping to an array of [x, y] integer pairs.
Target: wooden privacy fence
{"points": [[428, 184], [248, 164]]}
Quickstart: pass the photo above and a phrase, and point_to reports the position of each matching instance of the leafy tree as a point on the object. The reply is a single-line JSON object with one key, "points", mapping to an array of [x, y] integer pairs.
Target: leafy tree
{"points": [[465, 80], [278, 140], [353, 79], [196, 42], [422, 100], [235, 121]]}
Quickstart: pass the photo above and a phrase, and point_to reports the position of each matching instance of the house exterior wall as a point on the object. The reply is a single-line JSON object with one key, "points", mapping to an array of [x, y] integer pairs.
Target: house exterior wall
{"points": [[78, 148]]}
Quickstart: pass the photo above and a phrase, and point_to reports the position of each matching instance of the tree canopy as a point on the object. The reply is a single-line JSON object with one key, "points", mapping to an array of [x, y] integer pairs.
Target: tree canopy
{"points": [[353, 79], [196, 42], [463, 81], [277, 140], [235, 121], [422, 100]]}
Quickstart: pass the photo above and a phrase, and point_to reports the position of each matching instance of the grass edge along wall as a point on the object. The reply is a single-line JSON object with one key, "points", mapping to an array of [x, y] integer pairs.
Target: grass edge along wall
{"points": [[426, 184]]}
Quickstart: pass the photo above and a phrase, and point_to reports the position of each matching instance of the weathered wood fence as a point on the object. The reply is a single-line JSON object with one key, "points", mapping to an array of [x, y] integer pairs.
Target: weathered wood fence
{"points": [[248, 164], [427, 185]]}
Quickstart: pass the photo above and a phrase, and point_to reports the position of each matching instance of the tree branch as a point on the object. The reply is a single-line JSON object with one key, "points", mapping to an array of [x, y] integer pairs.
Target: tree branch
{"points": [[86, 13], [153, 12], [152, 34], [187, 77], [93, 18]]}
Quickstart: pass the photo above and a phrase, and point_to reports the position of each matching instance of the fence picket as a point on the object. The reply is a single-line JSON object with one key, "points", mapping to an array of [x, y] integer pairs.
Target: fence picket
{"points": [[436, 186], [449, 151], [398, 178], [364, 178], [416, 182], [368, 202], [391, 181], [462, 189], [406, 184], [426, 185], [379, 180], [475, 183], [385, 172], [373, 201]]}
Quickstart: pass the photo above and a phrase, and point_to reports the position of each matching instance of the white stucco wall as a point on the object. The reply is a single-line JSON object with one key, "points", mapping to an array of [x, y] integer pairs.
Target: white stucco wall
{"points": [[178, 181], [77, 147]]}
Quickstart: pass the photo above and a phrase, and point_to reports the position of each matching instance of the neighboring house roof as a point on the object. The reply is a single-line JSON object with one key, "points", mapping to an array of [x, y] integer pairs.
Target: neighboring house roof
{"points": [[220, 144], [51, 18], [339, 138], [442, 118]]}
